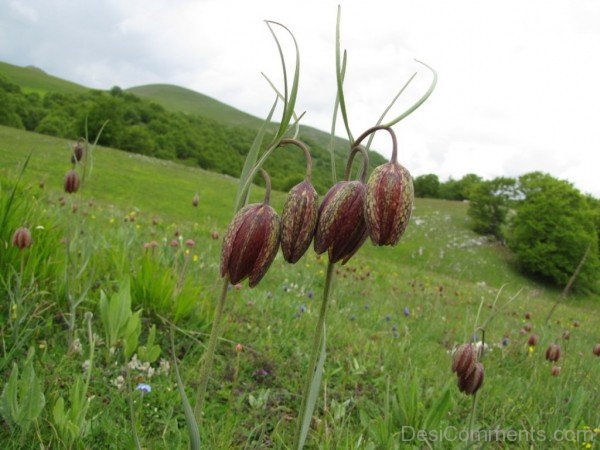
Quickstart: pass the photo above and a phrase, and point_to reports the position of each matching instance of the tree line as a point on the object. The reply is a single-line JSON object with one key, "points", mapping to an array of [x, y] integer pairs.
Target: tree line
{"points": [[145, 127], [550, 226]]}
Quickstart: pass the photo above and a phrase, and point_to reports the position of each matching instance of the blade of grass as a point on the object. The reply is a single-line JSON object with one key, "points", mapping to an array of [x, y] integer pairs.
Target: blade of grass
{"points": [[280, 95], [338, 73], [251, 158], [11, 199], [419, 102], [333, 123]]}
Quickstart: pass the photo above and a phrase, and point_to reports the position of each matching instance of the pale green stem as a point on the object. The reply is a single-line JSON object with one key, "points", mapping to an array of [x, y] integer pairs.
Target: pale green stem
{"points": [[209, 354], [314, 357]]}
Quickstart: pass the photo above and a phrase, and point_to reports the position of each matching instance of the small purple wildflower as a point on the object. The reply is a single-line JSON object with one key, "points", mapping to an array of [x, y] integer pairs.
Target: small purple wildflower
{"points": [[310, 294], [352, 317], [505, 342], [406, 311], [144, 388], [302, 308], [395, 328], [285, 288], [388, 318]]}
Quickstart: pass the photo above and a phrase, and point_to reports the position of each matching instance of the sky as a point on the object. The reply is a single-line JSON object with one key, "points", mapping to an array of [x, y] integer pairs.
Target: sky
{"points": [[518, 87]]}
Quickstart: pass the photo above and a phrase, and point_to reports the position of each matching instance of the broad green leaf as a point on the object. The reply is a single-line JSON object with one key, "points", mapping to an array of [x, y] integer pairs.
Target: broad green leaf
{"points": [[9, 404], [33, 400]]}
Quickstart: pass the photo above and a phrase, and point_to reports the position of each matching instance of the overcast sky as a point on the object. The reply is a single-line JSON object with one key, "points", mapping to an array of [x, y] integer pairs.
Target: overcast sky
{"points": [[518, 90]]}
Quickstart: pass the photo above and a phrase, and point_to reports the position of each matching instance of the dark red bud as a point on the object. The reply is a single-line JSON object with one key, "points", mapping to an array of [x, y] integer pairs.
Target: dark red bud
{"points": [[22, 238], [597, 349], [298, 221], [533, 340], [555, 371], [71, 182], [471, 383], [527, 315], [190, 243], [553, 353], [77, 154], [464, 360], [389, 201], [250, 244], [341, 227]]}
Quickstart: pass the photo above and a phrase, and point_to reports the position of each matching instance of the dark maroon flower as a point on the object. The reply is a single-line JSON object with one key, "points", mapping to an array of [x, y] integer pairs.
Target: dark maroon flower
{"points": [[597, 349], [555, 371], [78, 150], [22, 238], [341, 228], [533, 340], [298, 221], [251, 241], [464, 360], [71, 182], [553, 352], [471, 383]]}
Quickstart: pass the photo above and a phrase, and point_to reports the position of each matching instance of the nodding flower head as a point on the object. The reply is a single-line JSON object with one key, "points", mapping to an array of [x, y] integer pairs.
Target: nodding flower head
{"points": [[22, 238], [341, 227], [464, 360], [78, 151], [390, 197], [533, 340], [300, 213], [555, 371], [71, 182], [251, 241], [471, 383], [553, 353]]}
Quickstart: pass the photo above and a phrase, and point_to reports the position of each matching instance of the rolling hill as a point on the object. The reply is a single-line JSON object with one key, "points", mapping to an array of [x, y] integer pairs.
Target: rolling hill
{"points": [[33, 79]]}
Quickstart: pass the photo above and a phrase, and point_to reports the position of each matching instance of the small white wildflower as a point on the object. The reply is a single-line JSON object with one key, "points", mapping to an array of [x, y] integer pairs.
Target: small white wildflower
{"points": [[151, 372], [134, 364], [76, 347], [86, 365], [164, 367], [119, 382]]}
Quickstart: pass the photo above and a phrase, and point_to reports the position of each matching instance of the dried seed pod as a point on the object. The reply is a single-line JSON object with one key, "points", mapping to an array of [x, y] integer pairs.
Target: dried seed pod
{"points": [[195, 200], [22, 238], [597, 349], [533, 340], [300, 212], [464, 359], [341, 227], [555, 371], [471, 383], [390, 196], [71, 182], [553, 353], [251, 241]]}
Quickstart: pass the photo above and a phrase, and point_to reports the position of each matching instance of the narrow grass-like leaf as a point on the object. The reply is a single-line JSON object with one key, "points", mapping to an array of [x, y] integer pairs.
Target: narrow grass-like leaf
{"points": [[290, 100], [251, 158], [190, 420], [368, 146], [439, 409], [280, 95], [313, 393], [333, 123], [338, 74], [419, 102], [11, 198]]}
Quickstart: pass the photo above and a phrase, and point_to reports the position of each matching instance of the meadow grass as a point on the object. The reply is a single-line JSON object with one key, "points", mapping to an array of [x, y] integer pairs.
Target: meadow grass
{"points": [[384, 371]]}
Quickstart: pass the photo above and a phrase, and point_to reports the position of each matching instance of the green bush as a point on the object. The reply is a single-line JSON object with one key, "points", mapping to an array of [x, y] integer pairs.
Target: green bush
{"points": [[489, 205], [552, 229]]}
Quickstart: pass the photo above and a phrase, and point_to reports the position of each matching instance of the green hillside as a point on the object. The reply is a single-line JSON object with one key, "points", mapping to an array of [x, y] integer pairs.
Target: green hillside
{"points": [[32, 79]]}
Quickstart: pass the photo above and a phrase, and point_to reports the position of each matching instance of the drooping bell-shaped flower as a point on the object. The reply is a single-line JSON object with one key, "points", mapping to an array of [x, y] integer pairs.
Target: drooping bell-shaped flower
{"points": [[78, 150], [22, 238], [300, 213], [471, 383], [464, 359], [390, 197], [71, 182], [341, 228], [553, 353], [251, 241]]}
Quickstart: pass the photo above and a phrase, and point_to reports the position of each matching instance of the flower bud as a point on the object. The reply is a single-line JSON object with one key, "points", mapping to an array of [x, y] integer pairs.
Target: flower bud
{"points": [[389, 200], [597, 349], [341, 227], [472, 382], [22, 238], [77, 154], [553, 353], [555, 371], [527, 315], [464, 360], [190, 243], [250, 244], [533, 340], [71, 182], [196, 200], [298, 221]]}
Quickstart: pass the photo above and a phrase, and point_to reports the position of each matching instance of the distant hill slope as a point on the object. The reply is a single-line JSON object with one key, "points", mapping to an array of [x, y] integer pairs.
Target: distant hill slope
{"points": [[177, 98], [33, 79]]}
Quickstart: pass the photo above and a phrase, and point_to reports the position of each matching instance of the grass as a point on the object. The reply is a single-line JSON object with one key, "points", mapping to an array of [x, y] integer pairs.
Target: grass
{"points": [[386, 373], [32, 79]]}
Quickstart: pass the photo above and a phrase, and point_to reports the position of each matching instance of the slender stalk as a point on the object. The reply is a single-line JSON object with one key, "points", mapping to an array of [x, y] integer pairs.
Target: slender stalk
{"points": [[314, 353], [209, 354], [472, 418]]}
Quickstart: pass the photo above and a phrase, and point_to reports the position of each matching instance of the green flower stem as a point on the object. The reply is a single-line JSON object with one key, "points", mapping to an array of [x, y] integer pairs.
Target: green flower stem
{"points": [[209, 354], [315, 352]]}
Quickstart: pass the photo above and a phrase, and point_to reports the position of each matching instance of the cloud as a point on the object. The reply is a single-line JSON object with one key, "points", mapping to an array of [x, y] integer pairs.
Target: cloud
{"points": [[517, 84]]}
